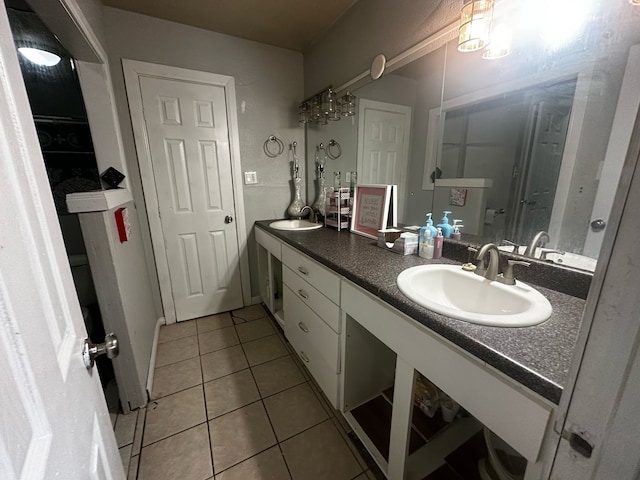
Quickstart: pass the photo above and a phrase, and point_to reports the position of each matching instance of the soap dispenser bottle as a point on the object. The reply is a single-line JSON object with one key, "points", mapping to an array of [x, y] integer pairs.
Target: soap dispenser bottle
{"points": [[447, 229], [437, 244], [456, 230], [425, 239]]}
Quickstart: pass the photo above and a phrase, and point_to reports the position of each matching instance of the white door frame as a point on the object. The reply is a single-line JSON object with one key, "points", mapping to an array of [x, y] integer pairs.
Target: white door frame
{"points": [[132, 71]]}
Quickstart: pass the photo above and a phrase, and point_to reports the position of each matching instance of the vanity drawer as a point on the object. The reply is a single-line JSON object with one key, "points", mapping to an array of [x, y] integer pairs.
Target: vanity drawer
{"points": [[315, 343], [272, 244], [321, 278], [310, 296]]}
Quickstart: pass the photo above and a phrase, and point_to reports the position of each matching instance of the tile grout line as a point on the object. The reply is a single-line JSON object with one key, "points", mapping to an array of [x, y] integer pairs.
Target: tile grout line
{"points": [[206, 412]]}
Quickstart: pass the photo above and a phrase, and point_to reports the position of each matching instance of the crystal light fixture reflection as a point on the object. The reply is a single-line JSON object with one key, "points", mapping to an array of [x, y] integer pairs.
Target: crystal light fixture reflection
{"points": [[499, 42], [40, 57], [475, 25], [635, 3], [325, 106]]}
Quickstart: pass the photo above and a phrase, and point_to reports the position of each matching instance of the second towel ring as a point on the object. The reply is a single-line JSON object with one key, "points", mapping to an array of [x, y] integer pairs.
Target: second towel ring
{"points": [[268, 142], [333, 155]]}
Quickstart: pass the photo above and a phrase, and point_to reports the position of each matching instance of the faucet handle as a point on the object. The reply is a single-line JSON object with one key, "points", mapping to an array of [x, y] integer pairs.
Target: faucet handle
{"points": [[509, 243], [545, 251], [507, 276]]}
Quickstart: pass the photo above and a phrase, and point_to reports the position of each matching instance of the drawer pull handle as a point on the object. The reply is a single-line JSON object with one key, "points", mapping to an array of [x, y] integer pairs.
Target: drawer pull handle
{"points": [[303, 270], [303, 327], [303, 294], [304, 357]]}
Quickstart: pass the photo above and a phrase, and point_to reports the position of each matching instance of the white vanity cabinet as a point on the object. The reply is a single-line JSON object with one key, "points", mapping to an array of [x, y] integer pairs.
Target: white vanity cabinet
{"points": [[312, 326], [270, 273], [383, 350]]}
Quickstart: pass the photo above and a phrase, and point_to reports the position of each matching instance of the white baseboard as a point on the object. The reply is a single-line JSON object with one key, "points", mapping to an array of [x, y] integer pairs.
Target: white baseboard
{"points": [[255, 300], [154, 350]]}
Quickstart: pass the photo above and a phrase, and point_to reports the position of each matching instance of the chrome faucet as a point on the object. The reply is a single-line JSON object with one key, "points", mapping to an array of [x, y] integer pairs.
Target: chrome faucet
{"points": [[312, 214], [540, 238], [488, 270]]}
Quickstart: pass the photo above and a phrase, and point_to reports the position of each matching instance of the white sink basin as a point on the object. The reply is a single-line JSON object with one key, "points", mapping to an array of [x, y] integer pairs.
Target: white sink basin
{"points": [[451, 291], [294, 225]]}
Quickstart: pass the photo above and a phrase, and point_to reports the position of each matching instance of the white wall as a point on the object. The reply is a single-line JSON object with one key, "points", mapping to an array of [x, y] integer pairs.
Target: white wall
{"points": [[367, 29], [269, 88]]}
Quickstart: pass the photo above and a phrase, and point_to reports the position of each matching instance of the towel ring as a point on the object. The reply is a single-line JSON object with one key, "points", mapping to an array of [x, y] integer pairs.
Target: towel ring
{"points": [[332, 155], [270, 141]]}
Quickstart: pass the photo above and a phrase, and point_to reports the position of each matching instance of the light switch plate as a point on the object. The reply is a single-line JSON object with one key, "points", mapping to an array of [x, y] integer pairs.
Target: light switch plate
{"points": [[250, 178]]}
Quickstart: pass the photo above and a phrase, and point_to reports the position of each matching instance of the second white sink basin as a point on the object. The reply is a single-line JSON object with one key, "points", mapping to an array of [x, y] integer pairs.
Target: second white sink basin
{"points": [[451, 291], [294, 225]]}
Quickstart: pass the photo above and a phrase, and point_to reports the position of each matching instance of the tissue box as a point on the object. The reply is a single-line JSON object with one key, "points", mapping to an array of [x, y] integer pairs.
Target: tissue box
{"points": [[404, 243]]}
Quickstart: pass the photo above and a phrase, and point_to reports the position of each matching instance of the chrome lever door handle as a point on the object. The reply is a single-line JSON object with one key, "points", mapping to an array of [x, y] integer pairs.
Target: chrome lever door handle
{"points": [[90, 351]]}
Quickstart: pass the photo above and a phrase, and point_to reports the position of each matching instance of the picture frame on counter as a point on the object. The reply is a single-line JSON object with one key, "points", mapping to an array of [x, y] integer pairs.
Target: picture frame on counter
{"points": [[374, 208]]}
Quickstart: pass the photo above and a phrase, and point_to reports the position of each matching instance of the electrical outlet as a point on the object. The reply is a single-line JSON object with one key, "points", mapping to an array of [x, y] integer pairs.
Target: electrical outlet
{"points": [[250, 178]]}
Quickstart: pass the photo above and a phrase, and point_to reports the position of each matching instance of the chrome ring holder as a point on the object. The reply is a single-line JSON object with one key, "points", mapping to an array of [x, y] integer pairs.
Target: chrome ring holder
{"points": [[271, 141], [333, 155]]}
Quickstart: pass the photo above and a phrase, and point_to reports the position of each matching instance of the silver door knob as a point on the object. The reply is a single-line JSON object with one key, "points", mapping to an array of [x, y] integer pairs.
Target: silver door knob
{"points": [[598, 225], [228, 219], [90, 351]]}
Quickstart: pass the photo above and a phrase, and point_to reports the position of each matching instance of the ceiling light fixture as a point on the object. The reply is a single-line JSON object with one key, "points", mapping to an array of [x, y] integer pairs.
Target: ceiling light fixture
{"points": [[39, 57], [475, 25], [499, 42]]}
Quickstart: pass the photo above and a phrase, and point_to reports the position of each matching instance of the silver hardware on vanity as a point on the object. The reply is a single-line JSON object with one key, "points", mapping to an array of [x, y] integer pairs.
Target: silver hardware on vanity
{"points": [[598, 225], [546, 251], [303, 270], [516, 247], [312, 213], [303, 294], [90, 351], [273, 147], [540, 238], [304, 357], [488, 268], [507, 277], [303, 327]]}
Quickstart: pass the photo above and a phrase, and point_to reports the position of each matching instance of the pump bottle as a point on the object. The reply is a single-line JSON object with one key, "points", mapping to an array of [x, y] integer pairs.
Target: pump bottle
{"points": [[437, 244], [447, 229]]}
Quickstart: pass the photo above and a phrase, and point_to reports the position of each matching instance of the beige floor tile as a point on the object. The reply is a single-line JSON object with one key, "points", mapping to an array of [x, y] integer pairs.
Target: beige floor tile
{"points": [[175, 377], [133, 468], [350, 444], [137, 438], [268, 465], [277, 375], [362, 476], [185, 456], [174, 413], [255, 329], [320, 453], [125, 456], [294, 410], [214, 322], [223, 362], [323, 399], [264, 349], [176, 331], [125, 428], [230, 393], [176, 351], [239, 435], [252, 312], [218, 339]]}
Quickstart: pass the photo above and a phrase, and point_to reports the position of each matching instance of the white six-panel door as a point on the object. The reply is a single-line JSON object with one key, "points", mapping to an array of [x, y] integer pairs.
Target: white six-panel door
{"points": [[53, 419], [383, 145], [186, 136]]}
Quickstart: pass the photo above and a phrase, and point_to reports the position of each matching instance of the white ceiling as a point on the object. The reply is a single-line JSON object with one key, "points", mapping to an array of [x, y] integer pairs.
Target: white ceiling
{"points": [[292, 24]]}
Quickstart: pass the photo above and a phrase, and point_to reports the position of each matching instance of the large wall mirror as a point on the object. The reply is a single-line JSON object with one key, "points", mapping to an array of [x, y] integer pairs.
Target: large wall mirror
{"points": [[533, 141]]}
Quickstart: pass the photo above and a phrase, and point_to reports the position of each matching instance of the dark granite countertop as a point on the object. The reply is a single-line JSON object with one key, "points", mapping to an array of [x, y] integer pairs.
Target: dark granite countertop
{"points": [[538, 357]]}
